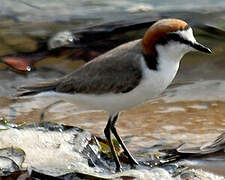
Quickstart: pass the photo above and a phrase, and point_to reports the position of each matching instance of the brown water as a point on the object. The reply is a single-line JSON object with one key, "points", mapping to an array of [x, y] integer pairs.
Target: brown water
{"points": [[190, 111]]}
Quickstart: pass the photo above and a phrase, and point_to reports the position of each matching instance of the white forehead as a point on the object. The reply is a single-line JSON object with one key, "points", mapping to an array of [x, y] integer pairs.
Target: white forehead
{"points": [[187, 34]]}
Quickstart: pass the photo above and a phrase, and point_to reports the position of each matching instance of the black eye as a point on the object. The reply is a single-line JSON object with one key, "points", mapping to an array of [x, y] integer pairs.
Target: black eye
{"points": [[173, 37]]}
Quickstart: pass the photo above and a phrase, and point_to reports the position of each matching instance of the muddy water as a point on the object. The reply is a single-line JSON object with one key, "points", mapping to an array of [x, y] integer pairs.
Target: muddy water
{"points": [[170, 120], [192, 110]]}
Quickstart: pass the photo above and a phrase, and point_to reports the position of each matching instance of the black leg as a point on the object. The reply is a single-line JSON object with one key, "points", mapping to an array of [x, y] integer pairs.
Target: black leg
{"points": [[133, 162], [107, 132]]}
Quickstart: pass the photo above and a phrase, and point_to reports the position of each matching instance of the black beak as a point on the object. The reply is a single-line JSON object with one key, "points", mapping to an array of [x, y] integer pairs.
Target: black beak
{"points": [[201, 48]]}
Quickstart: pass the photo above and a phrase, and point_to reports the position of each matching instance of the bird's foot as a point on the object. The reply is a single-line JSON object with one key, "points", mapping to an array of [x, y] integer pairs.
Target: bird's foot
{"points": [[134, 164], [118, 169]]}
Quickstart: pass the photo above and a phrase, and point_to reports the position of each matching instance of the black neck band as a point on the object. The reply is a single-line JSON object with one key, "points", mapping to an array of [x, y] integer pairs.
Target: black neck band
{"points": [[151, 61]]}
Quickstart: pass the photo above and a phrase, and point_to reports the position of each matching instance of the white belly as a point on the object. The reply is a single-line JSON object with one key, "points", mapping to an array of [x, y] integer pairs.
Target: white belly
{"points": [[153, 83]]}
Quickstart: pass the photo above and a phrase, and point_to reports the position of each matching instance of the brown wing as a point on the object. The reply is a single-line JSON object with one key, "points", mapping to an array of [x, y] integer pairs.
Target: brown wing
{"points": [[115, 71], [116, 75]]}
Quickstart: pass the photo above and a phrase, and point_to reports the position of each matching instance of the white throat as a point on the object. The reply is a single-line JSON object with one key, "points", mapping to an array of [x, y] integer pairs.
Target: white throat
{"points": [[169, 57], [174, 50], [168, 63]]}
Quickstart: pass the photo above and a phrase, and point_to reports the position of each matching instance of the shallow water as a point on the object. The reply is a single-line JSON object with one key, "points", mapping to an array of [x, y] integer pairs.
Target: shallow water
{"points": [[192, 110]]}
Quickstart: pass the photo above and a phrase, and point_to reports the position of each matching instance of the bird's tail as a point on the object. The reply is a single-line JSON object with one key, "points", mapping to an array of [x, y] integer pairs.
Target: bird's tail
{"points": [[33, 89]]}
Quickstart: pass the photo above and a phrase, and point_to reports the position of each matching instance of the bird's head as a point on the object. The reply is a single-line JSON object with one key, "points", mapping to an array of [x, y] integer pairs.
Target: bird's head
{"points": [[171, 38]]}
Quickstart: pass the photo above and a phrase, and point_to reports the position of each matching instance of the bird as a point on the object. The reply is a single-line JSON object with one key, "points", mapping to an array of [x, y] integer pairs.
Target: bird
{"points": [[124, 77]]}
